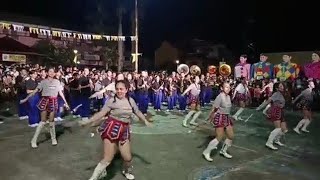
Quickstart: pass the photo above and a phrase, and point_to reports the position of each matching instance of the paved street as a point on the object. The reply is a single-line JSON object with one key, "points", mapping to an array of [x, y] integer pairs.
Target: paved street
{"points": [[166, 151]]}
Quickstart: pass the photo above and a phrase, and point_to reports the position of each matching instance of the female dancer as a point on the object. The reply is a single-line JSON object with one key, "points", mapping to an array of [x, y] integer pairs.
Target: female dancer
{"points": [[115, 130], [48, 105], [220, 118], [276, 114], [306, 97], [194, 90], [241, 95], [267, 90]]}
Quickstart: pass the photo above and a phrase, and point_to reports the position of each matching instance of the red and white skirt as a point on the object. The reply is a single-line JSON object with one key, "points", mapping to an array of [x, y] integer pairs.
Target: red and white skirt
{"points": [[221, 120], [193, 100], [275, 113], [304, 105], [241, 97], [49, 104], [115, 131]]}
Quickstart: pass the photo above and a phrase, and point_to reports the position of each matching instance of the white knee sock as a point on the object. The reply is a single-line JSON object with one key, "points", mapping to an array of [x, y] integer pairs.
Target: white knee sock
{"points": [[211, 146], [266, 109], [278, 137], [240, 110], [188, 116], [99, 169], [226, 145], [262, 105], [53, 133], [300, 124], [196, 115], [36, 134], [305, 125], [273, 135]]}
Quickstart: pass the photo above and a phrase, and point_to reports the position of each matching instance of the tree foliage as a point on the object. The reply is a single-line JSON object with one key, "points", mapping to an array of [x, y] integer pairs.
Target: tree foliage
{"points": [[54, 55]]}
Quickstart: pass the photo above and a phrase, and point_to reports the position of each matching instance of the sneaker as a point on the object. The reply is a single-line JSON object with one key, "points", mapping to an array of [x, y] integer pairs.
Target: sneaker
{"points": [[271, 146], [33, 125], [225, 154], [304, 130], [128, 175], [279, 143]]}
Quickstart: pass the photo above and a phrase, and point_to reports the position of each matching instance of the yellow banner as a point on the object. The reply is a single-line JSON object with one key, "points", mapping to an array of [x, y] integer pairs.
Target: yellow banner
{"points": [[14, 58]]}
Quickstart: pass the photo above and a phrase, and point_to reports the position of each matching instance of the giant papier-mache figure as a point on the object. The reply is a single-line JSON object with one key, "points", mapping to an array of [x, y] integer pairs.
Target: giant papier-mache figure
{"points": [[262, 69], [242, 69], [312, 69], [286, 70]]}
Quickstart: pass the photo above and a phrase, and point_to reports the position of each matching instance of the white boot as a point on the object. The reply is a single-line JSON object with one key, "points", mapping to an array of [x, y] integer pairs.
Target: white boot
{"points": [[237, 114], [211, 146], [100, 168], [305, 125], [266, 109], [195, 116], [36, 134], [262, 105], [271, 138], [188, 116], [278, 138], [299, 125], [226, 145], [53, 133]]}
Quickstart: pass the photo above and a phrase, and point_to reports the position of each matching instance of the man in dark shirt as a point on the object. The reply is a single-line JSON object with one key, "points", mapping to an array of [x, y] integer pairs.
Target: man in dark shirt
{"points": [[75, 92], [20, 86], [33, 111], [85, 92]]}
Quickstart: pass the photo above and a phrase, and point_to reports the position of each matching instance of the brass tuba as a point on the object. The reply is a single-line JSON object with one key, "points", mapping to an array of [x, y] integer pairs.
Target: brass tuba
{"points": [[225, 70], [212, 69], [183, 68], [195, 70]]}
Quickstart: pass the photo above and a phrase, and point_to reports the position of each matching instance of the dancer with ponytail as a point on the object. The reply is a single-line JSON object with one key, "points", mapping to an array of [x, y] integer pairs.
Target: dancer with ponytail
{"points": [[220, 118], [306, 99], [276, 115], [194, 102], [50, 88], [115, 131]]}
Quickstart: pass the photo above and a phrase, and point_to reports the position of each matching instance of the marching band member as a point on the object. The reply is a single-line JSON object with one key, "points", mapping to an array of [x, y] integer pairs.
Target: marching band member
{"points": [[194, 92], [170, 90], [50, 88], [276, 115], [220, 118], [157, 87], [132, 87], [60, 100], [20, 86], [182, 86], [241, 95], [143, 87], [74, 87], [306, 99], [115, 131]]}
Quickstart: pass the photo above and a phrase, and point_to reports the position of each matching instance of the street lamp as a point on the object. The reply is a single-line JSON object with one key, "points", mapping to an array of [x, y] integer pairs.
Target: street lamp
{"points": [[75, 56]]}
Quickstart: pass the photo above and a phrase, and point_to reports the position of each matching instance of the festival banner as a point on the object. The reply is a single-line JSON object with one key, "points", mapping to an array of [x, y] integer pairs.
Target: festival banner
{"points": [[58, 33]]}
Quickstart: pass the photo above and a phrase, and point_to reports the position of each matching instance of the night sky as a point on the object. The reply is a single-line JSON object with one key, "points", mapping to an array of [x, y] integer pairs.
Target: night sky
{"points": [[273, 26]]}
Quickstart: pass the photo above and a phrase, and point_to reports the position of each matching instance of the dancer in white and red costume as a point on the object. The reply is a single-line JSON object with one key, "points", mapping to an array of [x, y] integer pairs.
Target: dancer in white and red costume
{"points": [[221, 119], [276, 115], [305, 101], [50, 88]]}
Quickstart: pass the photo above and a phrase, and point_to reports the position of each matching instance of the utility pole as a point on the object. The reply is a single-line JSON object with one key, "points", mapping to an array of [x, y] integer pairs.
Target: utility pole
{"points": [[137, 38]]}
